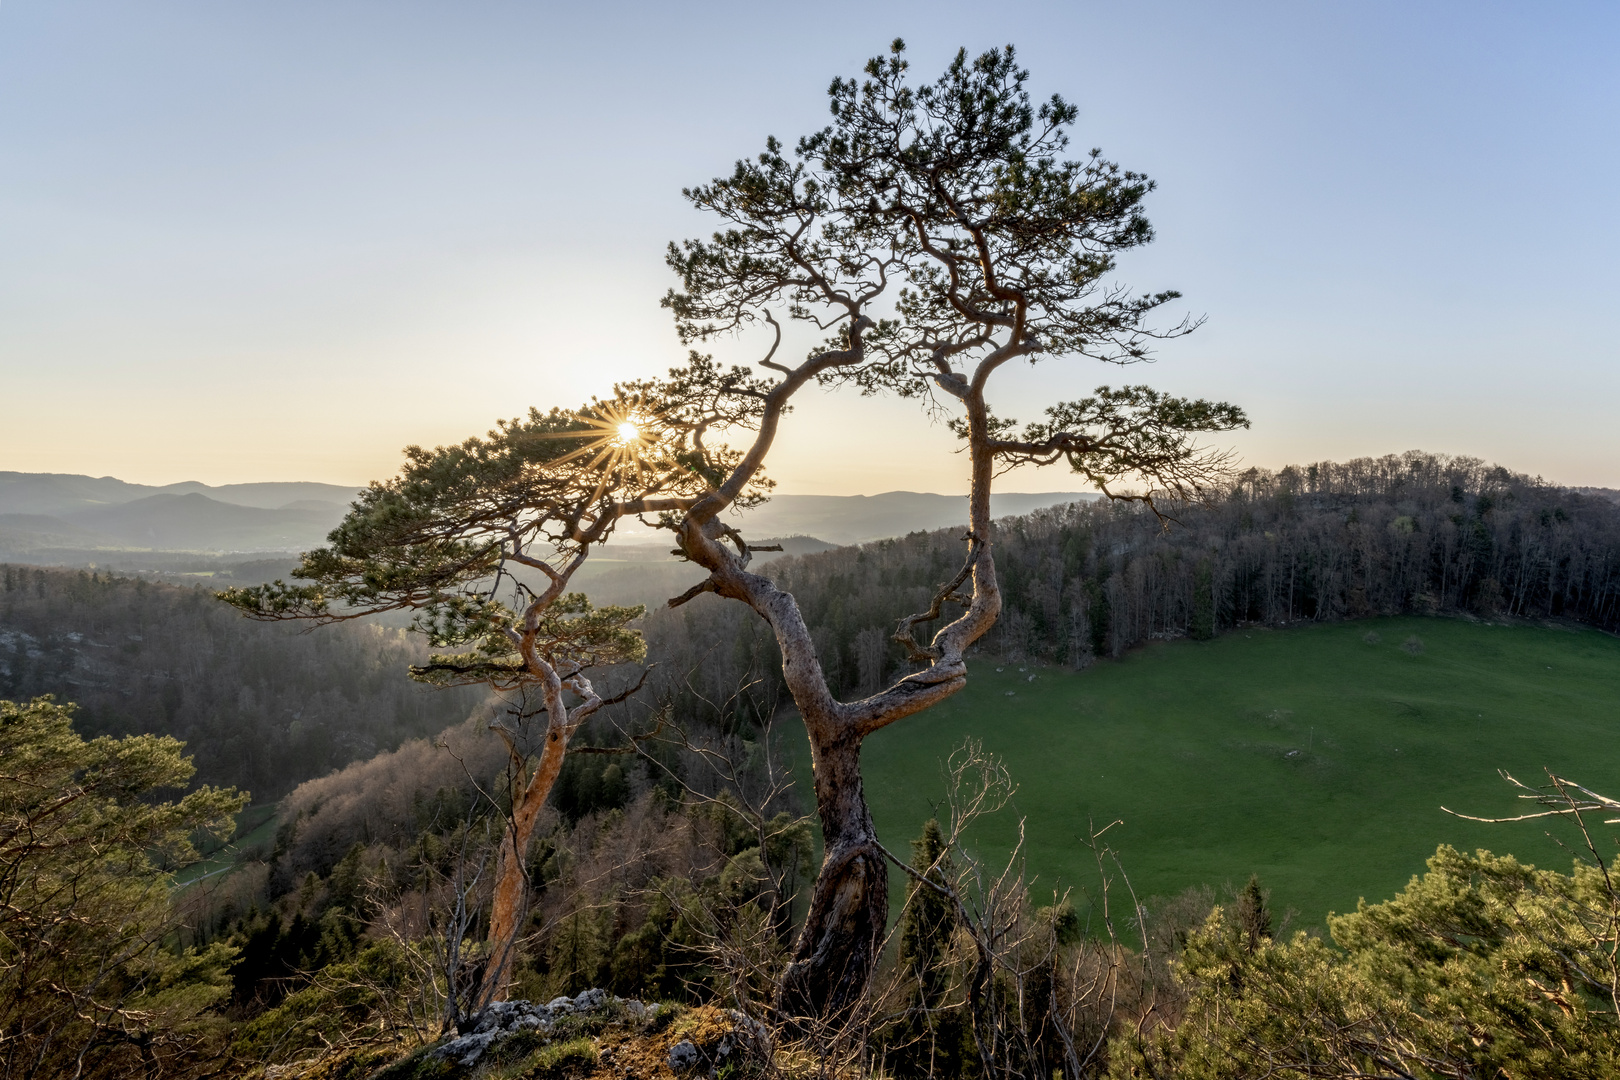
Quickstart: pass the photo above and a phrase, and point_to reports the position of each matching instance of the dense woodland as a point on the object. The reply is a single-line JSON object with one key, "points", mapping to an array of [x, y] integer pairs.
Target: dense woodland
{"points": [[259, 707], [677, 872], [266, 707], [1414, 533]]}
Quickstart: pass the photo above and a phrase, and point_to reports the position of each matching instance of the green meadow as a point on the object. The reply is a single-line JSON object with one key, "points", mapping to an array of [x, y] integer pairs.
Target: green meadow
{"points": [[1317, 757], [255, 835]]}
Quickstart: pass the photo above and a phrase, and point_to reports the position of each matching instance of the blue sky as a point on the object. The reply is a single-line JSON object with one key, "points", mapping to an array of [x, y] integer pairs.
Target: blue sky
{"points": [[280, 241]]}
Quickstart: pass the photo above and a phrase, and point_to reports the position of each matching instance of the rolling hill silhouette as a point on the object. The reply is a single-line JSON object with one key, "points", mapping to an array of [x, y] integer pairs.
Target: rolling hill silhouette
{"points": [[60, 517]]}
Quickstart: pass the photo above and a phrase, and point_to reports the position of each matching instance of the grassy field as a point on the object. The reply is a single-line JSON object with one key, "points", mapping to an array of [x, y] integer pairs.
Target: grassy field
{"points": [[1317, 757], [255, 833]]}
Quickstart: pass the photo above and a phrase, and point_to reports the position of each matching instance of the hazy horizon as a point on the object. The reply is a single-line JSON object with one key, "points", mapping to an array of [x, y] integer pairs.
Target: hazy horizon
{"points": [[363, 483], [1077, 484], [244, 244]]}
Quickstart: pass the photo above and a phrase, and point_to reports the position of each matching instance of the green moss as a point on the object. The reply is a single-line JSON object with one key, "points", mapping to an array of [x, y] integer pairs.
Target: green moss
{"points": [[668, 1012], [418, 1066], [561, 1059]]}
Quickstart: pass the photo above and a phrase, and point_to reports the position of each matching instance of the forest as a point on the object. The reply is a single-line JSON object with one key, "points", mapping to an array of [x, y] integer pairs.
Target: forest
{"points": [[1414, 533], [262, 708], [267, 707], [674, 870]]}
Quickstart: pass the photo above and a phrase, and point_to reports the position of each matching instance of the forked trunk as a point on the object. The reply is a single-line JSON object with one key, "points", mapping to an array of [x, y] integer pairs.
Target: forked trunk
{"points": [[838, 947]]}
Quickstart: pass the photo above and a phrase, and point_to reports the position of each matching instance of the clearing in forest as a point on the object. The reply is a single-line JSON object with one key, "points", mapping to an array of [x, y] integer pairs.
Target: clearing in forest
{"points": [[1317, 757]]}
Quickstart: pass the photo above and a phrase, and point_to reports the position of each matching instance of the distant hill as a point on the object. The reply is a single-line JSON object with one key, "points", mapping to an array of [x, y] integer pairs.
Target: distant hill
{"points": [[194, 522], [27, 532], [65, 518], [62, 518], [273, 496], [60, 493]]}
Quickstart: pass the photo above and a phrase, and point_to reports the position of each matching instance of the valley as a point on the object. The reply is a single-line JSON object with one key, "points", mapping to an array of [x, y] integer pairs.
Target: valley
{"points": [[1290, 682]]}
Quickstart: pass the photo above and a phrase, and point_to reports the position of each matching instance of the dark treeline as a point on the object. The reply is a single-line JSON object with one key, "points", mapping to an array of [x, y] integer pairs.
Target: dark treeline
{"points": [[260, 707], [1414, 533]]}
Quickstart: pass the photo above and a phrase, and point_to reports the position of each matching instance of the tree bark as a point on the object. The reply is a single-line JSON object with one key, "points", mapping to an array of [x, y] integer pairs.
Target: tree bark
{"points": [[511, 902], [838, 947]]}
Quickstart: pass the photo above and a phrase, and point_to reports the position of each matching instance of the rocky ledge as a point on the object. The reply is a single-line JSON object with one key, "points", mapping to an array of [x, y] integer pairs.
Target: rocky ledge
{"points": [[592, 1036]]}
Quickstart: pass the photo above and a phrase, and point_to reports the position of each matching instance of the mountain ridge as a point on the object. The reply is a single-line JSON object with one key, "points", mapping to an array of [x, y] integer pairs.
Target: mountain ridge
{"points": [[41, 512], [54, 493]]}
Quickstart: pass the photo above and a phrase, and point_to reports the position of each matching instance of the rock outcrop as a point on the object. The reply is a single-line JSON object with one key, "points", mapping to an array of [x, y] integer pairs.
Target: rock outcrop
{"points": [[591, 1036]]}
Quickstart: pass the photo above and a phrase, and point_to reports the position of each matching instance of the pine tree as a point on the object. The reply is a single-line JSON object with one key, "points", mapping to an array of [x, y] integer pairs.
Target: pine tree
{"points": [[1253, 916], [91, 983], [929, 919], [927, 1041]]}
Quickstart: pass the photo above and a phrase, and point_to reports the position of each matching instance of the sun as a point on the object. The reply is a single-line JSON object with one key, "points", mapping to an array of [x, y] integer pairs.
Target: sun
{"points": [[620, 441]]}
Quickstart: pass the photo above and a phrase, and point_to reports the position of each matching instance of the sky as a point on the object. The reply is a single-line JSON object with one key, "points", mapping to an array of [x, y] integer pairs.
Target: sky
{"points": [[245, 242]]}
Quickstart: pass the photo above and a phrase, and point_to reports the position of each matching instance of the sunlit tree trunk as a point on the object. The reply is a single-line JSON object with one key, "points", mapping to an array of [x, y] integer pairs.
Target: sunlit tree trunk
{"points": [[511, 901]]}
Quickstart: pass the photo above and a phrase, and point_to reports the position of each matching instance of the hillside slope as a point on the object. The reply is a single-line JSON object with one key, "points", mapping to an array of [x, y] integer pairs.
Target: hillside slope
{"points": [[260, 706], [194, 522]]}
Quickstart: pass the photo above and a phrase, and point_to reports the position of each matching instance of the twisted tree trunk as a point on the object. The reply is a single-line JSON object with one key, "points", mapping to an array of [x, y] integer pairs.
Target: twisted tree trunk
{"points": [[838, 947], [843, 933], [530, 789]]}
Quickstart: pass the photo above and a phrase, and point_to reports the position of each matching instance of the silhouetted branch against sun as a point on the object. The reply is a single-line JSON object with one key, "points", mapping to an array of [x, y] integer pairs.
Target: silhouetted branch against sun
{"points": [[619, 437]]}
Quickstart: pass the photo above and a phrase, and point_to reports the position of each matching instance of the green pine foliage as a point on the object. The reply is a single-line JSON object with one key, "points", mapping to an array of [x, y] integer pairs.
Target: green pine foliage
{"points": [[928, 920], [1252, 914], [1483, 967], [89, 982], [931, 1037], [377, 990]]}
